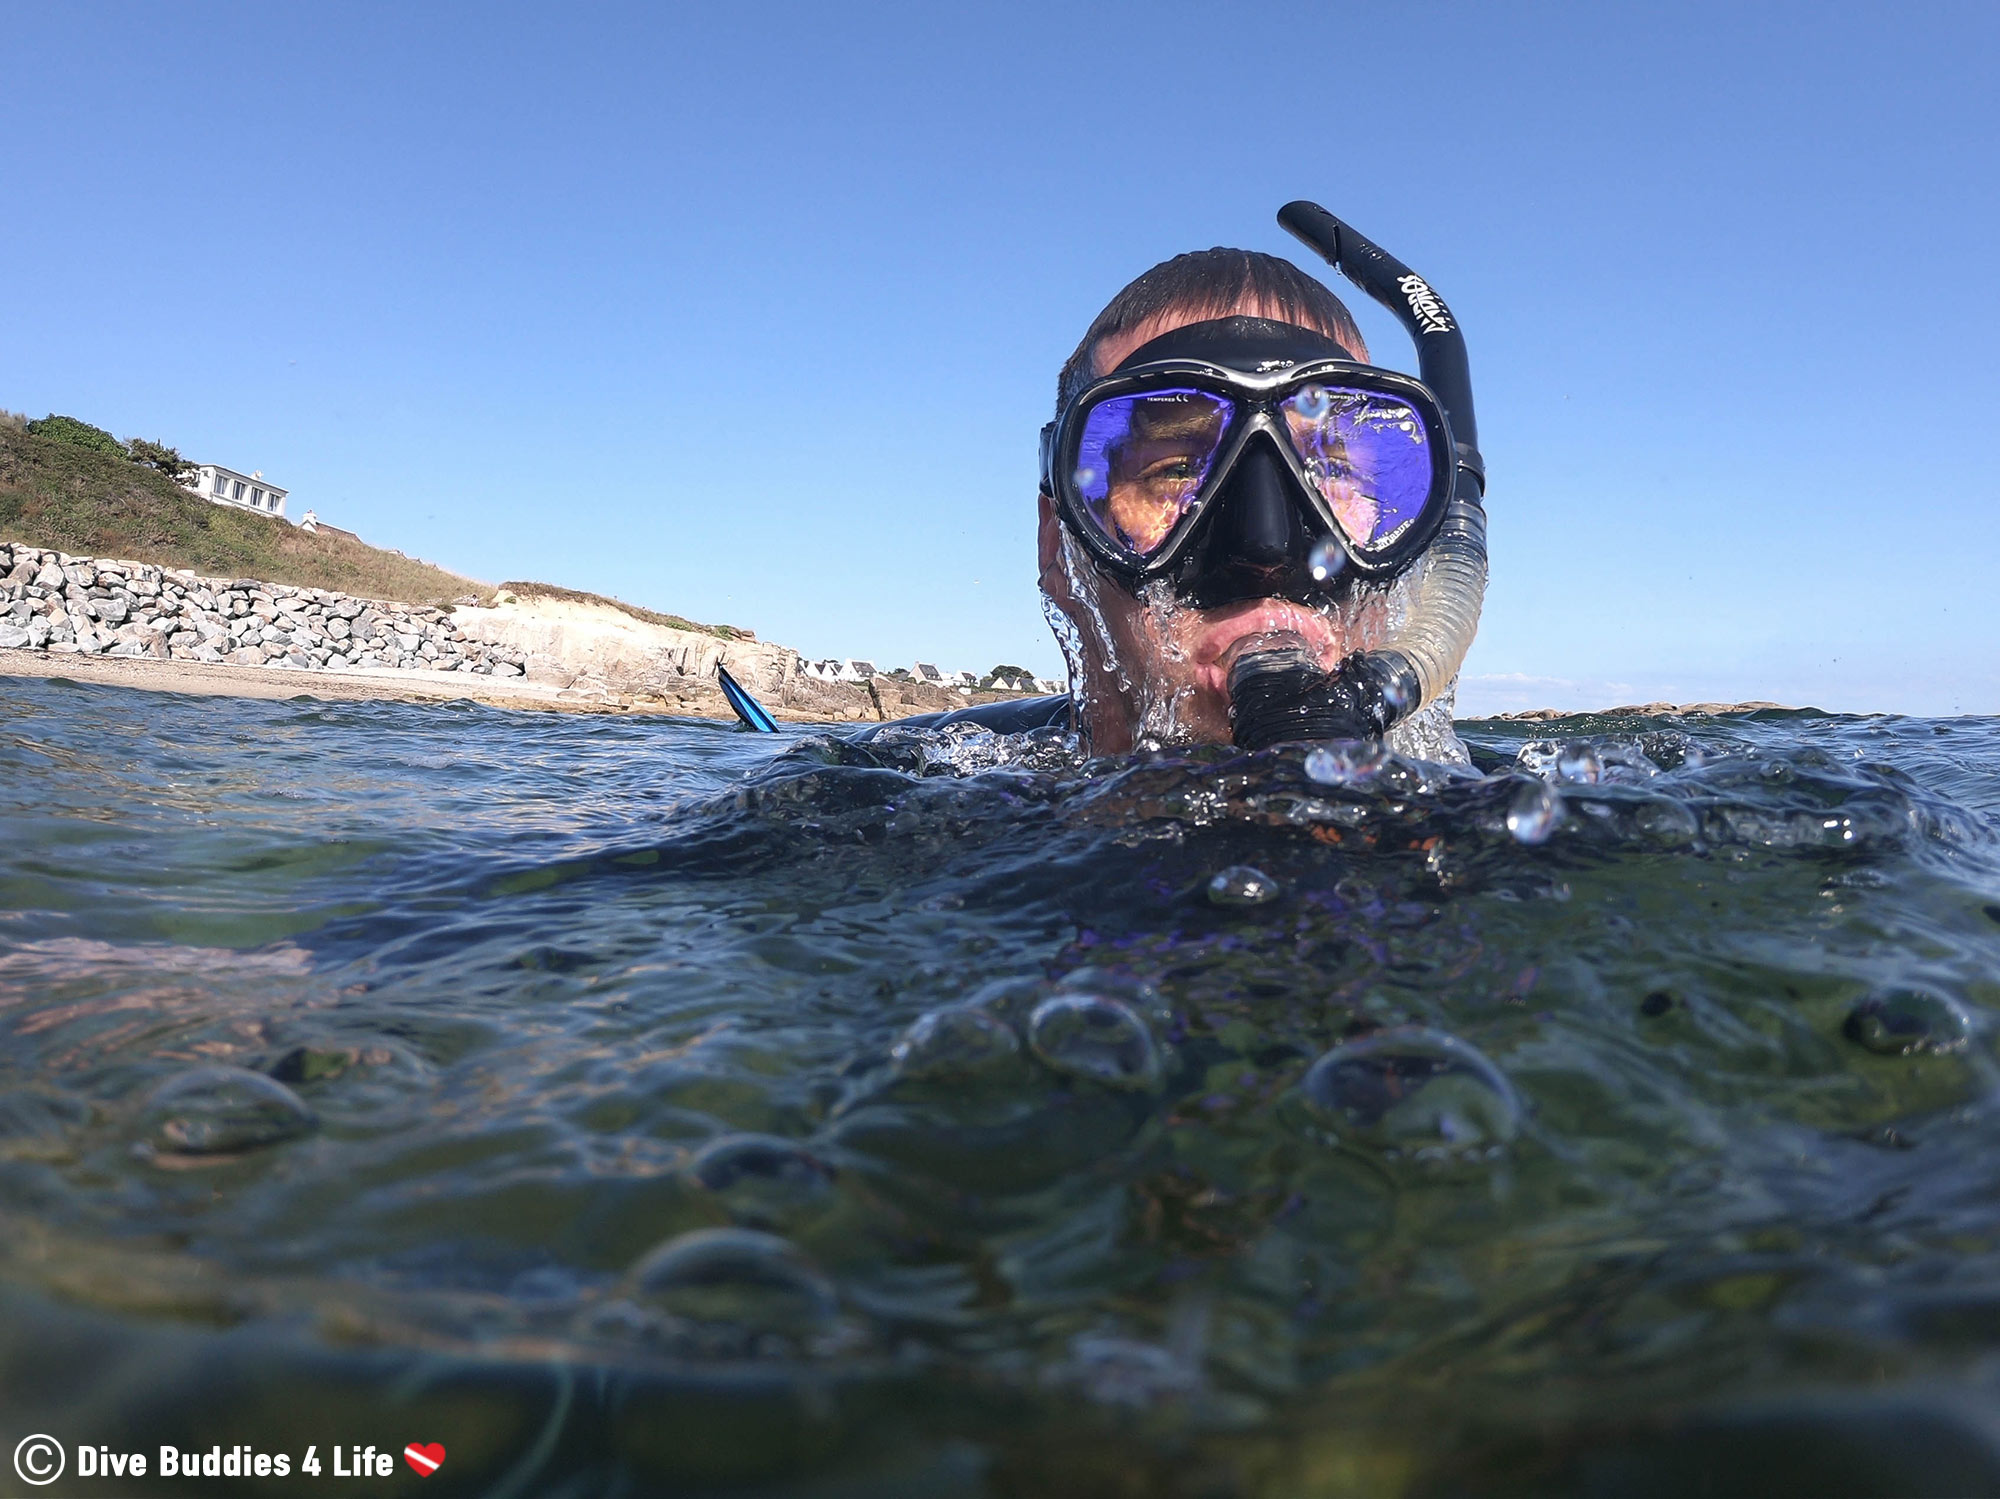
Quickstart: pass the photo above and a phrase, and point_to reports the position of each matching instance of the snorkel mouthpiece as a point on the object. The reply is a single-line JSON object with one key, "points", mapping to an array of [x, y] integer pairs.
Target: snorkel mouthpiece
{"points": [[1278, 694]]}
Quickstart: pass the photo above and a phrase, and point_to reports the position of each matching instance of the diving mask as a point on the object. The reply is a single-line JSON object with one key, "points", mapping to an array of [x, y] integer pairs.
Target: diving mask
{"points": [[1244, 457]]}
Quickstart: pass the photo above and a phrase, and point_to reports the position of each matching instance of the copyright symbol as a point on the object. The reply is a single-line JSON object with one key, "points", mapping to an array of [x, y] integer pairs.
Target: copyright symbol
{"points": [[38, 1460]]}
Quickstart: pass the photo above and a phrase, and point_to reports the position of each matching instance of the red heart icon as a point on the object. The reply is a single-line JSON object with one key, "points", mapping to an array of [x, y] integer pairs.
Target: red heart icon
{"points": [[426, 1458]]}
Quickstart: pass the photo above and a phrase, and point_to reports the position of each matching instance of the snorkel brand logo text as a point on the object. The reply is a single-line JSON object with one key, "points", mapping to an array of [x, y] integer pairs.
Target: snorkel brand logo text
{"points": [[1431, 313]]}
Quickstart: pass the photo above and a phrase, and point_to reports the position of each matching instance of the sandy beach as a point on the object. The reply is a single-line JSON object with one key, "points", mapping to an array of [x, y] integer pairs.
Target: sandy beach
{"points": [[350, 684]]}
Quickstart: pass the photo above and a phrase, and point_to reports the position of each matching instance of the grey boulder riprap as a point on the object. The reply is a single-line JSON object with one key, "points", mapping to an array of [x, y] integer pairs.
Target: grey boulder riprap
{"points": [[92, 606]]}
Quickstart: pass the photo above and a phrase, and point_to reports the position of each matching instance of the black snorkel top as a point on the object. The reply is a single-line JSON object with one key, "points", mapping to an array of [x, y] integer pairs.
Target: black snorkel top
{"points": [[1423, 314]]}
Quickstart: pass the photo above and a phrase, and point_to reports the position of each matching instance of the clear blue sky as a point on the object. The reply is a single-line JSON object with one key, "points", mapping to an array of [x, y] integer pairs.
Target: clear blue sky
{"points": [[752, 313]]}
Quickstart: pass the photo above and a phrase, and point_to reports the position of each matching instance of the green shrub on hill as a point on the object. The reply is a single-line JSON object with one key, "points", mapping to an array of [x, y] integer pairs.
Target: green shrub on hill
{"points": [[67, 492], [73, 433]]}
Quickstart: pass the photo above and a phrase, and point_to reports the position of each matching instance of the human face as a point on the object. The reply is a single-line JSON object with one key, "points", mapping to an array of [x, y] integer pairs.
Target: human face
{"points": [[1150, 668]]}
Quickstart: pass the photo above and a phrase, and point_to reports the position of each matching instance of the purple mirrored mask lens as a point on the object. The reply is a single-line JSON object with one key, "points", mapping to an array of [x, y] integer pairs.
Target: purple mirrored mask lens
{"points": [[1368, 454], [1142, 459]]}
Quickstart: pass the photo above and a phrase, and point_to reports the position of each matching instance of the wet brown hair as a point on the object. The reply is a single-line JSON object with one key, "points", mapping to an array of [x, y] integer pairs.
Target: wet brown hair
{"points": [[1211, 284]]}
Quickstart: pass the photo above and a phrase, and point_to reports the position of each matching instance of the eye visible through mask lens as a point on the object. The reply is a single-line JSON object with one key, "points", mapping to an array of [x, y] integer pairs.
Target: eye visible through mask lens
{"points": [[1367, 455], [1143, 459]]}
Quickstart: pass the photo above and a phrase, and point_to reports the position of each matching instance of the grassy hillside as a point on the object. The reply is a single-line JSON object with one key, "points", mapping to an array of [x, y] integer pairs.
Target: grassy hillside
{"points": [[95, 503]]}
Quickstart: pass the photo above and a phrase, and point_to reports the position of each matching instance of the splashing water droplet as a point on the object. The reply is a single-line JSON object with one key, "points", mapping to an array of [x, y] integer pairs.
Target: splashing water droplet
{"points": [[1242, 885], [1579, 761], [735, 1275], [1533, 814], [1416, 1090], [1902, 1022], [1313, 403], [1088, 1036], [1326, 559], [215, 1111], [953, 1043], [1346, 762]]}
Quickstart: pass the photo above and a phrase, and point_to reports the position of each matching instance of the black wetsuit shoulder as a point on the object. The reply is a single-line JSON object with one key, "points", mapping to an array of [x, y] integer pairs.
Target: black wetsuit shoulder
{"points": [[1019, 715]]}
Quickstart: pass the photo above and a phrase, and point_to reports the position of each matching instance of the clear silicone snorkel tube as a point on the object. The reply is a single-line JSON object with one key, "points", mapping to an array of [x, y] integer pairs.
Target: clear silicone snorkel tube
{"points": [[1279, 693]]}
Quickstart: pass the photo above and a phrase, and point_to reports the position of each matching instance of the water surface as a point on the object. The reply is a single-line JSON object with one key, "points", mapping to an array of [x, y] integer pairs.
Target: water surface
{"points": [[641, 1106]]}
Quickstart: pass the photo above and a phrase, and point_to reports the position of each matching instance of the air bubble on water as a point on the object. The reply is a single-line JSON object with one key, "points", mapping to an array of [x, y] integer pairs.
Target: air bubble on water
{"points": [[739, 1276], [1138, 996], [1326, 559], [1413, 1090], [1534, 813], [1242, 885], [215, 1111], [1099, 1039], [1900, 1022], [761, 1179], [1347, 762], [953, 1043], [1312, 402]]}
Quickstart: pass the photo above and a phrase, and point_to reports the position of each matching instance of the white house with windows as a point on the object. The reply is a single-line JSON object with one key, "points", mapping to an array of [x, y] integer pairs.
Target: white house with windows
{"points": [[245, 491]]}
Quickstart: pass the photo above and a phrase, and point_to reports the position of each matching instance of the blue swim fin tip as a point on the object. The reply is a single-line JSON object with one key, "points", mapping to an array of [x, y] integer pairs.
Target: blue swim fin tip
{"points": [[748, 709]]}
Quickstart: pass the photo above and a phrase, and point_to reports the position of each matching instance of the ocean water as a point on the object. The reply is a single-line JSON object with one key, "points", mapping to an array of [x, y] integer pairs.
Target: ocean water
{"points": [[641, 1106]]}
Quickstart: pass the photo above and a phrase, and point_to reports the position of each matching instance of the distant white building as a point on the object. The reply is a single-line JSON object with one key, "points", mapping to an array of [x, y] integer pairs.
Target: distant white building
{"points": [[1009, 682], [857, 671], [923, 671], [244, 491]]}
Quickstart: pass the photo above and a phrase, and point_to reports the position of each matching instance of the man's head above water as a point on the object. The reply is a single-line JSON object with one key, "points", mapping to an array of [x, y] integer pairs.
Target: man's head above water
{"points": [[1150, 664]]}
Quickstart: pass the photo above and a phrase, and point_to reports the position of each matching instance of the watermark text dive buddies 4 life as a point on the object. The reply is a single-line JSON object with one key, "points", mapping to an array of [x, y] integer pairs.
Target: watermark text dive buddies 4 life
{"points": [[41, 1459]]}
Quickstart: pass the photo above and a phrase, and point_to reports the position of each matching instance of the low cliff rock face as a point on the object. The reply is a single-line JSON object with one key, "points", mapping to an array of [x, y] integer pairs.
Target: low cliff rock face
{"points": [[570, 643]]}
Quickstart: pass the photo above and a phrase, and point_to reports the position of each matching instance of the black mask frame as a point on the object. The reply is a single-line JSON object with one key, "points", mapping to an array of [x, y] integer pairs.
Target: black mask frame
{"points": [[1255, 396]]}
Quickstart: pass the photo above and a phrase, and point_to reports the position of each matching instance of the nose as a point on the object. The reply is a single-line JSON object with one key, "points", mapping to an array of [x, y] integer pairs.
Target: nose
{"points": [[1257, 521], [1258, 538]]}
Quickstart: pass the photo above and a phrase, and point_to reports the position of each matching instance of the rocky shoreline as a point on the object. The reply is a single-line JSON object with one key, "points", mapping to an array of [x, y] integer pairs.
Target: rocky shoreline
{"points": [[562, 653], [90, 606]]}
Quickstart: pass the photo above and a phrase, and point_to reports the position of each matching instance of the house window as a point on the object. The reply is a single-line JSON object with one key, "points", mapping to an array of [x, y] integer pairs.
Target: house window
{"points": [[256, 497], [221, 485], [239, 490]]}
